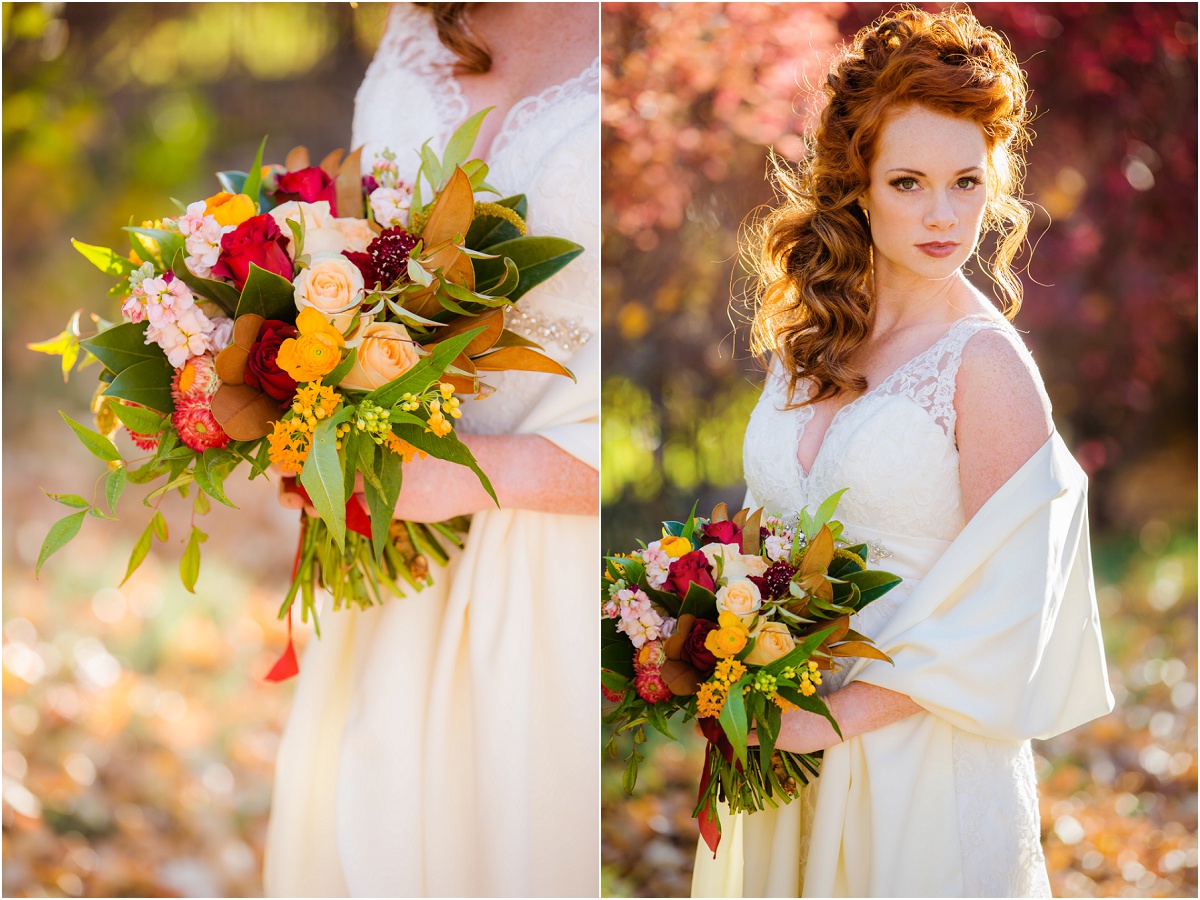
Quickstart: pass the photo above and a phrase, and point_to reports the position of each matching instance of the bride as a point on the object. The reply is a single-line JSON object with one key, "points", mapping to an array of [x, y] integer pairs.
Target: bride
{"points": [[444, 743], [895, 378]]}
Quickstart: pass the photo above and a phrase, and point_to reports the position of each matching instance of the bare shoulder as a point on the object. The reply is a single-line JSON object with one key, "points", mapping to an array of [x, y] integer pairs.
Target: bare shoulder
{"points": [[1002, 413]]}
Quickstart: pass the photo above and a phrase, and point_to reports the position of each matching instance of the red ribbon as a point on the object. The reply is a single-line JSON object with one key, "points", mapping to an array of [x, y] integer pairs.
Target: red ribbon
{"points": [[710, 828]]}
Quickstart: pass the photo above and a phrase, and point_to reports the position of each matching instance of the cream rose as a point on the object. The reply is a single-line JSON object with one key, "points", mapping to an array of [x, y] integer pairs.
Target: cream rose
{"points": [[386, 353], [772, 641], [333, 286], [740, 597], [734, 564], [314, 217]]}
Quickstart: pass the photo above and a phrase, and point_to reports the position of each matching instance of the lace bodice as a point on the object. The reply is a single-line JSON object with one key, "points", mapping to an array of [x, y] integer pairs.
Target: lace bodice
{"points": [[894, 448], [547, 148]]}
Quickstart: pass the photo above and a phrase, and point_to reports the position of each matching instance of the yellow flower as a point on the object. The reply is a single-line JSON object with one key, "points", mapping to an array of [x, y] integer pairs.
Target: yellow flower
{"points": [[229, 209], [785, 705], [674, 546], [728, 620], [439, 425], [729, 671], [725, 642], [316, 352], [710, 699], [406, 451]]}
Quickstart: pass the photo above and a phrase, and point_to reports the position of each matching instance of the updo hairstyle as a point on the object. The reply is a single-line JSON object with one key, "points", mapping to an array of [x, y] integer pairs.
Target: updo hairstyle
{"points": [[812, 253]]}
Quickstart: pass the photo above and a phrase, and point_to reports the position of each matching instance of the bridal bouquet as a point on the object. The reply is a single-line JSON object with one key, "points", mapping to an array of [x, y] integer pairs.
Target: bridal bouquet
{"points": [[732, 621], [317, 320]]}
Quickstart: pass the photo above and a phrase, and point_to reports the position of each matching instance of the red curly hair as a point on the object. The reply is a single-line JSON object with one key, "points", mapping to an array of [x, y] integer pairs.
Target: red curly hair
{"points": [[812, 253]]}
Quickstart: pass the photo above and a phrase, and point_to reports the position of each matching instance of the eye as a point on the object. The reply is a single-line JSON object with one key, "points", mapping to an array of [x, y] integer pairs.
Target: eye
{"points": [[904, 183], [968, 183]]}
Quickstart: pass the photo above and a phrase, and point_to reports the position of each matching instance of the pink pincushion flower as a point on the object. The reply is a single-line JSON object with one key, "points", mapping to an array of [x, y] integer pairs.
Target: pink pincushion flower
{"points": [[651, 687], [197, 426]]}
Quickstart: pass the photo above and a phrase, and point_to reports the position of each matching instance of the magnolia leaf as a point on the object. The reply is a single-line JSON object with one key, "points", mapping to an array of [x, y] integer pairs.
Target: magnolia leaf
{"points": [[486, 231], [189, 566], [122, 346], [61, 532], [96, 444], [522, 358], [297, 159], [818, 555], [491, 322], [751, 535], [107, 261], [245, 413], [322, 479], [505, 284], [871, 584], [147, 383], [268, 295], [537, 257], [452, 211], [224, 295], [720, 513], [331, 163], [230, 363], [348, 185], [860, 648]]}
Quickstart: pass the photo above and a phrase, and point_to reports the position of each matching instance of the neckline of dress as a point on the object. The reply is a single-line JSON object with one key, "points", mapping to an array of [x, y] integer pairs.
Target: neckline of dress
{"points": [[803, 421]]}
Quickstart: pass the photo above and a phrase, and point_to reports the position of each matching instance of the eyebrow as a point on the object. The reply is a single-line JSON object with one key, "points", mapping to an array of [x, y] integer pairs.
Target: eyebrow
{"points": [[923, 175]]}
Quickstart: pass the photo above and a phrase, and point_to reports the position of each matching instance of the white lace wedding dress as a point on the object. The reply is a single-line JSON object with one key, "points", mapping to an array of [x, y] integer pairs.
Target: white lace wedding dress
{"points": [[445, 744], [932, 805]]}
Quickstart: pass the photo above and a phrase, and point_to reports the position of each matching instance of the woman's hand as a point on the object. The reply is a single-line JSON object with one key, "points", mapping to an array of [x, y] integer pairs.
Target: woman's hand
{"points": [[859, 707]]}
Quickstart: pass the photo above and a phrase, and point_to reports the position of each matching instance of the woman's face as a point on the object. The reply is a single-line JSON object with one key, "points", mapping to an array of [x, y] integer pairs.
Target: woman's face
{"points": [[927, 195]]}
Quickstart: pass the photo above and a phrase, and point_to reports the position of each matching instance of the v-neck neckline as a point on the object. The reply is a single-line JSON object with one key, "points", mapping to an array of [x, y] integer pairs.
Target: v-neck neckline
{"points": [[806, 474]]}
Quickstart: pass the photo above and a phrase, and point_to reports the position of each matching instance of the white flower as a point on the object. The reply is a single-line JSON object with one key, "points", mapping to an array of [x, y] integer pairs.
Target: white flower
{"points": [[735, 564], [222, 333], [776, 547], [657, 564], [391, 205]]}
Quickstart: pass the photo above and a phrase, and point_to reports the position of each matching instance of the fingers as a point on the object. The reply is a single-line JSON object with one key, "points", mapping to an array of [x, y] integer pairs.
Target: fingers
{"points": [[289, 500]]}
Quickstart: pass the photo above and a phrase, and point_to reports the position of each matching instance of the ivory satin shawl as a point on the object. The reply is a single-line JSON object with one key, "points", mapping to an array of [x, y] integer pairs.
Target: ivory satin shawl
{"points": [[1000, 639]]}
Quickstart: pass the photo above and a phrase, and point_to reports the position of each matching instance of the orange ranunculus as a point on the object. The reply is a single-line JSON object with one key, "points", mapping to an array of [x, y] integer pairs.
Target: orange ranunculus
{"points": [[729, 639], [229, 209], [315, 352], [675, 546]]}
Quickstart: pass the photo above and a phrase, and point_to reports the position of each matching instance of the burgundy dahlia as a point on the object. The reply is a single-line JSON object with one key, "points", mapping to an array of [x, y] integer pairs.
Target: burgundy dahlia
{"points": [[386, 258], [774, 582]]}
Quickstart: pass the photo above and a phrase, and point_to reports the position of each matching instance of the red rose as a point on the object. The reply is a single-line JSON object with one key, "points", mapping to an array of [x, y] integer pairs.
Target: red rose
{"points": [[690, 567], [258, 240], [262, 371], [721, 533], [309, 185], [694, 653]]}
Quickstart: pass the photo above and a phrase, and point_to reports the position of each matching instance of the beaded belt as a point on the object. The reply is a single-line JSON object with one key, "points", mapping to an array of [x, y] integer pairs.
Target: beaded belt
{"points": [[569, 334]]}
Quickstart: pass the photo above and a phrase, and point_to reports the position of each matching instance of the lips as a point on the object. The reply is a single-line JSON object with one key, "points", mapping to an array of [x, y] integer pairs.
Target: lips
{"points": [[938, 249]]}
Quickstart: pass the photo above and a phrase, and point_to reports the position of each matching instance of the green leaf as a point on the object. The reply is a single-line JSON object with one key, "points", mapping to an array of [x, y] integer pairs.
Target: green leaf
{"points": [[254, 176], [733, 719], [616, 652], [322, 478], [449, 448], [96, 444], [140, 550], [826, 509], [431, 167], [799, 654], [201, 505], [537, 257], [268, 295], [458, 148], [206, 472], [139, 420], [147, 383], [122, 346], [872, 584], [107, 261], [224, 295], [700, 602], [232, 181], [506, 284], [114, 486], [159, 524], [381, 501], [768, 731], [812, 704], [60, 535], [73, 500], [189, 566]]}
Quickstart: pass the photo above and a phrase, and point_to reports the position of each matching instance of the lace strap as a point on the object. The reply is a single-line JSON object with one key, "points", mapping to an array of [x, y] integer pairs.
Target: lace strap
{"points": [[942, 408]]}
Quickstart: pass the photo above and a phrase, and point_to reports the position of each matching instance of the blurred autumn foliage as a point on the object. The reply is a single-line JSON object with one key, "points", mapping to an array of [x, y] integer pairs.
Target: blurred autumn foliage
{"points": [[139, 736], [693, 96]]}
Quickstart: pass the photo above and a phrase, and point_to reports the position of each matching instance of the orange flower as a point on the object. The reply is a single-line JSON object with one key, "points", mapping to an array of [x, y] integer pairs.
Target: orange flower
{"points": [[316, 352]]}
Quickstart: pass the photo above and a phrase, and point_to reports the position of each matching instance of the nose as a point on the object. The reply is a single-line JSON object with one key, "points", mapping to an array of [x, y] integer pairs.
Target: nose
{"points": [[940, 216]]}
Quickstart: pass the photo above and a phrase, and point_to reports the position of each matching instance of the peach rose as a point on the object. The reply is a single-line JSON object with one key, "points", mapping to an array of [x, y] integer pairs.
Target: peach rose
{"points": [[772, 641], [333, 286], [740, 597], [734, 563], [357, 234], [386, 353]]}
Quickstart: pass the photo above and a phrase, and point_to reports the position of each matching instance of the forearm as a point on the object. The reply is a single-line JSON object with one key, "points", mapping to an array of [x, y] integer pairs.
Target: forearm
{"points": [[858, 708], [529, 472]]}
